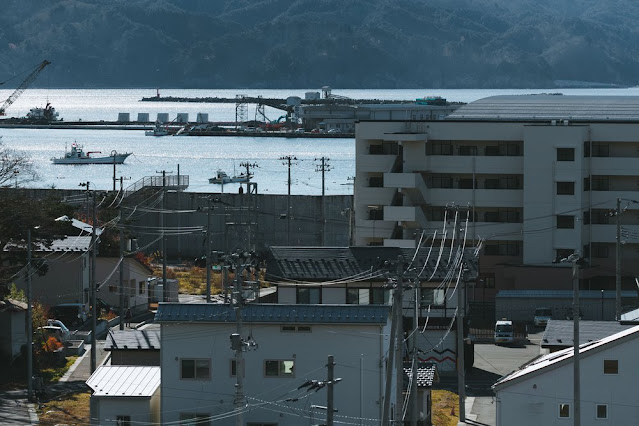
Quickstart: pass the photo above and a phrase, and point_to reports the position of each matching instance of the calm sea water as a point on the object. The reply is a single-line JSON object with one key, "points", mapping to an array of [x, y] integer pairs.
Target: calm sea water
{"points": [[200, 157]]}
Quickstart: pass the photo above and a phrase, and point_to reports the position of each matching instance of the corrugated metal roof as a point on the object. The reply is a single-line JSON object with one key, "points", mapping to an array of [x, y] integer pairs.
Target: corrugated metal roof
{"points": [[331, 263], [631, 316], [562, 294], [125, 380], [274, 313], [148, 339], [546, 107], [559, 333], [538, 364], [68, 244]]}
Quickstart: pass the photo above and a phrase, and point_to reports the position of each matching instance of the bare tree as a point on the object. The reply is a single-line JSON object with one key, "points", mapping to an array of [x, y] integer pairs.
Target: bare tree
{"points": [[15, 165]]}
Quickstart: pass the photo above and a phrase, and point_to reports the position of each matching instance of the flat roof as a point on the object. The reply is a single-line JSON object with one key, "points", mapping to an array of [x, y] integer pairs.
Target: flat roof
{"points": [[545, 107]]}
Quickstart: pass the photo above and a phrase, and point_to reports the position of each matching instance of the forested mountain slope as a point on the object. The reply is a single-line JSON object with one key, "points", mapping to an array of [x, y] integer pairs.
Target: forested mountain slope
{"points": [[311, 43]]}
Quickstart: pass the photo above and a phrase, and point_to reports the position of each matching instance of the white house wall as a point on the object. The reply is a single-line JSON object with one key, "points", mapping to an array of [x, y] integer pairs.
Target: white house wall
{"points": [[534, 401], [108, 278], [358, 351], [108, 408]]}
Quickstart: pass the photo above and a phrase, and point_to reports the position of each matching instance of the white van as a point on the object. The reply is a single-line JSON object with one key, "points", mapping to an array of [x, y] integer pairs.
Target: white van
{"points": [[504, 332]]}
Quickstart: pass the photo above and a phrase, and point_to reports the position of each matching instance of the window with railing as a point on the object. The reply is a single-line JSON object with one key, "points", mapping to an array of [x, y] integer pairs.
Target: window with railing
{"points": [[439, 148], [600, 183], [376, 213], [440, 181], [503, 248]]}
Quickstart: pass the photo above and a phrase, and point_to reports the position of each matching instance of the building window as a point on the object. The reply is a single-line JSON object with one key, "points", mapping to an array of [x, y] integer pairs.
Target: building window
{"points": [[376, 181], [602, 411], [309, 295], [357, 296], [467, 183], [599, 250], [378, 296], [611, 366], [195, 369], [565, 222], [141, 287], [194, 419], [564, 411], [439, 148], [375, 213], [565, 154], [600, 150], [123, 421], [279, 368], [293, 328], [440, 181], [432, 296], [465, 150], [586, 184], [600, 183], [565, 188], [503, 248]]}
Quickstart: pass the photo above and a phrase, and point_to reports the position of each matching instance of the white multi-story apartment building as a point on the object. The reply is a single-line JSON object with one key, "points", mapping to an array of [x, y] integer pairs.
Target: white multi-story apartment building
{"points": [[539, 176]]}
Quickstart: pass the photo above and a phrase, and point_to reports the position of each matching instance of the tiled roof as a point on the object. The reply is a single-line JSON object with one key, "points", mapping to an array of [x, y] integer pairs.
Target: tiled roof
{"points": [[559, 333], [426, 374], [547, 107], [124, 380], [340, 263], [147, 339], [563, 356], [274, 313]]}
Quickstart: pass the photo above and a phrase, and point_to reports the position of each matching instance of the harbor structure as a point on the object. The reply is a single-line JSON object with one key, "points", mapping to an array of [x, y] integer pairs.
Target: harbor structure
{"points": [[541, 177]]}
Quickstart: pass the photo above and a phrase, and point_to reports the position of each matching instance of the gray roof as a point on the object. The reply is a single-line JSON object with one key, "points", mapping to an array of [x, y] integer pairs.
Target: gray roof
{"points": [[331, 263], [559, 333], [562, 294], [124, 380], [274, 313], [426, 374], [545, 107], [630, 317], [147, 339]]}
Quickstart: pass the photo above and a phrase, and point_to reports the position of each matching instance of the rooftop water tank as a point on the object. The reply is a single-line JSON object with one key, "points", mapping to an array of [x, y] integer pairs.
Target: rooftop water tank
{"points": [[163, 117], [143, 117], [124, 117], [293, 100], [182, 117], [202, 117]]}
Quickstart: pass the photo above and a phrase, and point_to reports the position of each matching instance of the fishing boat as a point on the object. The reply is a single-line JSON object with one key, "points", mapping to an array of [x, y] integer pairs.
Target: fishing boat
{"points": [[158, 130], [77, 156], [222, 178]]}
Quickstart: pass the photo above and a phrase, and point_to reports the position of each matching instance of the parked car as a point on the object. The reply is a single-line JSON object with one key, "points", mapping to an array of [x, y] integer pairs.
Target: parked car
{"points": [[334, 131], [542, 316], [300, 130]]}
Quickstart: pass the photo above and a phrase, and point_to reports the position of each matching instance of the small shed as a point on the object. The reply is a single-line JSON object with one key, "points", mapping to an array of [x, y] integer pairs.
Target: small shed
{"points": [[125, 395], [134, 347], [12, 328]]}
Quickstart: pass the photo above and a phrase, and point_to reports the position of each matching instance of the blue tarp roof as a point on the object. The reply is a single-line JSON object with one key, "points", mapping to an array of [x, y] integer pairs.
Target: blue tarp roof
{"points": [[274, 313]]}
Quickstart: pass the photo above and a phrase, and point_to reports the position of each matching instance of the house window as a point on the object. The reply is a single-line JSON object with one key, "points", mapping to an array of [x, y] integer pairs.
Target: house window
{"points": [[279, 368], [601, 411], [565, 188], [564, 411], [611, 366], [565, 154], [141, 287], [195, 369], [357, 296], [565, 222], [194, 419], [378, 296], [432, 296], [123, 421], [132, 287], [308, 295]]}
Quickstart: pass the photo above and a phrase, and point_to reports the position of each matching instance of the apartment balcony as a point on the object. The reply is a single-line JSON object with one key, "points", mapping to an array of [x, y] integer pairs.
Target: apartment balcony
{"points": [[483, 164], [608, 233], [374, 228], [408, 181], [481, 197], [405, 214], [614, 166], [607, 199], [374, 195], [375, 162]]}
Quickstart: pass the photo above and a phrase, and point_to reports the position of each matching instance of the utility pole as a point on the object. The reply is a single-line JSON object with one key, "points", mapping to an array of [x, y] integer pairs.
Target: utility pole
{"points": [[392, 352], [323, 167], [94, 311], [289, 159], [575, 316], [618, 262], [29, 322], [413, 381], [208, 251], [165, 290], [461, 379], [121, 270], [179, 236], [399, 343], [329, 391]]}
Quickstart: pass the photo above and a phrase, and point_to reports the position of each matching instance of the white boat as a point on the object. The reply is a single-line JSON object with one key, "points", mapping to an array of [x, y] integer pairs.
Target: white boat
{"points": [[158, 130], [78, 156], [222, 178]]}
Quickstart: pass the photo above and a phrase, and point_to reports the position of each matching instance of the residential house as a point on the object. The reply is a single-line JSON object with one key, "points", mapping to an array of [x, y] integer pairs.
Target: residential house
{"points": [[13, 334], [287, 346], [542, 391], [539, 175], [134, 347], [125, 395], [360, 276]]}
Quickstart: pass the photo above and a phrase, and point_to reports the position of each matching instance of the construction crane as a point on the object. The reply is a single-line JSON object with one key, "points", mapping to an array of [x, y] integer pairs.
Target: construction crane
{"points": [[23, 86]]}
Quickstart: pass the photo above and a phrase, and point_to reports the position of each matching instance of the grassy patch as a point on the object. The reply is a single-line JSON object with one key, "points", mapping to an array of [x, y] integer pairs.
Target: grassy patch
{"points": [[53, 374], [69, 409], [445, 403]]}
